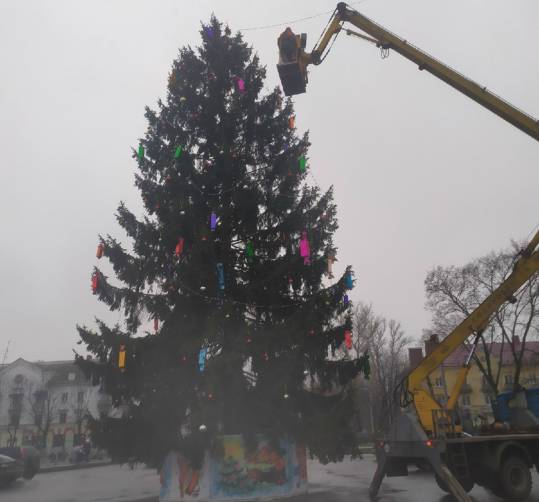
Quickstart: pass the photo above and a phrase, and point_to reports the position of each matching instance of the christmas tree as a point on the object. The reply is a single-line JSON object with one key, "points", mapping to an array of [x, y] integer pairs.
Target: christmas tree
{"points": [[228, 266]]}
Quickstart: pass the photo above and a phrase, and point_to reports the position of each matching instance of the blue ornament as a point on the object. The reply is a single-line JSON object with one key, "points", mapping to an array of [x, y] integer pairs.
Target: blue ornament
{"points": [[202, 359], [348, 280]]}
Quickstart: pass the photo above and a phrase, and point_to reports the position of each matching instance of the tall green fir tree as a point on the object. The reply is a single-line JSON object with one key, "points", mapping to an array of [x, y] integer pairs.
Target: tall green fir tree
{"points": [[230, 266]]}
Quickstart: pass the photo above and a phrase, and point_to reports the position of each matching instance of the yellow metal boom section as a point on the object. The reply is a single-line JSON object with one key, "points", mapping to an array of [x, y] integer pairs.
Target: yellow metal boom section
{"points": [[525, 267], [387, 40]]}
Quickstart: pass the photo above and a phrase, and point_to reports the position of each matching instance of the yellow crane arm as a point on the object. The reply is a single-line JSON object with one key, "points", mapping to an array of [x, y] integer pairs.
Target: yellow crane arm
{"points": [[525, 267], [387, 40]]}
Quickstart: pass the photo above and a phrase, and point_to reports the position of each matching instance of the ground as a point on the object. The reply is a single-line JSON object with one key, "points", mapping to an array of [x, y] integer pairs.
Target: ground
{"points": [[344, 482]]}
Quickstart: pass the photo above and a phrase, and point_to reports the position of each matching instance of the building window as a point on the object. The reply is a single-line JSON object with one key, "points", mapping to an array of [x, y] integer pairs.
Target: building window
{"points": [[489, 399], [465, 400], [64, 397], [80, 397], [71, 376], [438, 382], [62, 416], [532, 379], [508, 379], [19, 379]]}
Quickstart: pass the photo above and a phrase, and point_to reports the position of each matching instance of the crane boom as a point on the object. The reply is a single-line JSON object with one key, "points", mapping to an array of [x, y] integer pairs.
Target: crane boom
{"points": [[292, 67], [388, 40]]}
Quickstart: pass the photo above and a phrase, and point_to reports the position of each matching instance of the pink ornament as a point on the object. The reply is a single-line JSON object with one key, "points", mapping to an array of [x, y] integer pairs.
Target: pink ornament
{"points": [[241, 84], [304, 249]]}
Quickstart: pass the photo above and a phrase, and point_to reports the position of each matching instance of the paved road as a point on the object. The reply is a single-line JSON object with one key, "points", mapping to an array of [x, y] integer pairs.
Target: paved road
{"points": [[344, 482]]}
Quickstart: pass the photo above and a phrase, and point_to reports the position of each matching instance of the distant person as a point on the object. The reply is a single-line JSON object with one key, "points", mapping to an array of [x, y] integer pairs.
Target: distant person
{"points": [[287, 46]]}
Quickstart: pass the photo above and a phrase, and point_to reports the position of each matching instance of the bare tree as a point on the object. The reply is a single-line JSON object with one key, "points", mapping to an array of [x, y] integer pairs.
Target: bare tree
{"points": [[454, 292], [79, 407], [42, 406], [14, 417], [386, 343]]}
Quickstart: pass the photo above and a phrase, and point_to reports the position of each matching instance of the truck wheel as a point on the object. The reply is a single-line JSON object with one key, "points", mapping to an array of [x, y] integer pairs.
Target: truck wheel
{"points": [[515, 479], [466, 483]]}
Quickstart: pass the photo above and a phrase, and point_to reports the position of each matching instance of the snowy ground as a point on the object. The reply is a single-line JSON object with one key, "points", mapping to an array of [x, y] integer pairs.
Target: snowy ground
{"points": [[345, 482]]}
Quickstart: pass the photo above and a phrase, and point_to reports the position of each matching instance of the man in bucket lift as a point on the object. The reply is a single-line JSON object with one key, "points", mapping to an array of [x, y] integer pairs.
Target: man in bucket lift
{"points": [[288, 47]]}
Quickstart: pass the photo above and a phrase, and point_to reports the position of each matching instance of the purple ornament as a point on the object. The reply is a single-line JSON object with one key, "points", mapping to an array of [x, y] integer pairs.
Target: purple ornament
{"points": [[213, 221], [209, 31], [346, 300]]}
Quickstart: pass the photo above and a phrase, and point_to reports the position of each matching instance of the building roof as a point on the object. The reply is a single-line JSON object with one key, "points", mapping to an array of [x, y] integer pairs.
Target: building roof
{"points": [[499, 351]]}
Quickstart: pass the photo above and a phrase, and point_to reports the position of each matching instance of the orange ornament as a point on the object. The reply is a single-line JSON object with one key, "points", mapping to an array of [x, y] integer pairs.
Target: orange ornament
{"points": [[292, 122], [179, 247]]}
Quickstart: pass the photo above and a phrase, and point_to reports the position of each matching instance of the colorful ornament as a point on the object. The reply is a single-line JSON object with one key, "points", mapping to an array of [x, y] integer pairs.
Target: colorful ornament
{"points": [[100, 249], [266, 356], [95, 282], [302, 162], [178, 152], [156, 324], [202, 359], [348, 339], [304, 249], [221, 276], [331, 260], [140, 152], [213, 221], [209, 31], [240, 83], [292, 122], [348, 280], [121, 357], [346, 300], [311, 332], [250, 250], [179, 247]]}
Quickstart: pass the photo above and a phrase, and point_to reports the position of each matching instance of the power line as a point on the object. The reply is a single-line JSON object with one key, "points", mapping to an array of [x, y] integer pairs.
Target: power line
{"points": [[276, 25]]}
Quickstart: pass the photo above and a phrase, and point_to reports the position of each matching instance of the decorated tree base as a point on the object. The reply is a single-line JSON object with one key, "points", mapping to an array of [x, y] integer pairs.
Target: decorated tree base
{"points": [[268, 471]]}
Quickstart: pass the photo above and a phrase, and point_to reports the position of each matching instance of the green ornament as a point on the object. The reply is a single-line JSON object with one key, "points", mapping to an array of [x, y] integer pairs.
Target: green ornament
{"points": [[302, 163], [250, 250], [178, 152], [140, 152]]}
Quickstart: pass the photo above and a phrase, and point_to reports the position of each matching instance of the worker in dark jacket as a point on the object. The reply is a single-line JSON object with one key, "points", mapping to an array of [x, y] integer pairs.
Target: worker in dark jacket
{"points": [[288, 47]]}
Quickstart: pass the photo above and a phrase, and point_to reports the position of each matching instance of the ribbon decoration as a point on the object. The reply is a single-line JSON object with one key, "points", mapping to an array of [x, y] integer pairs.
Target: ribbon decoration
{"points": [[331, 260], [348, 339], [95, 282], [179, 247], [202, 359], [302, 162], [221, 276], [348, 280], [100, 249], [121, 357], [213, 221], [250, 250], [304, 249], [241, 84]]}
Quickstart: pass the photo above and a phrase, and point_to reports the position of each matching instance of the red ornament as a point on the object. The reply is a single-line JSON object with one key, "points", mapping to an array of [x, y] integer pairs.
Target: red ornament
{"points": [[248, 339], [95, 282], [156, 324], [100, 249], [179, 247], [348, 339], [266, 356], [311, 332]]}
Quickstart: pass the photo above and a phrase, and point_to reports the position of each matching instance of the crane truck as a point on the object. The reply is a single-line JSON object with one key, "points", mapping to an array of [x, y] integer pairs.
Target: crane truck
{"points": [[501, 458]]}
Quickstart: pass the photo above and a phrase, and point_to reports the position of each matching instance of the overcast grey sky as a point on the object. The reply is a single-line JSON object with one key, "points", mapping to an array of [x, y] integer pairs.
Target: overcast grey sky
{"points": [[422, 175]]}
